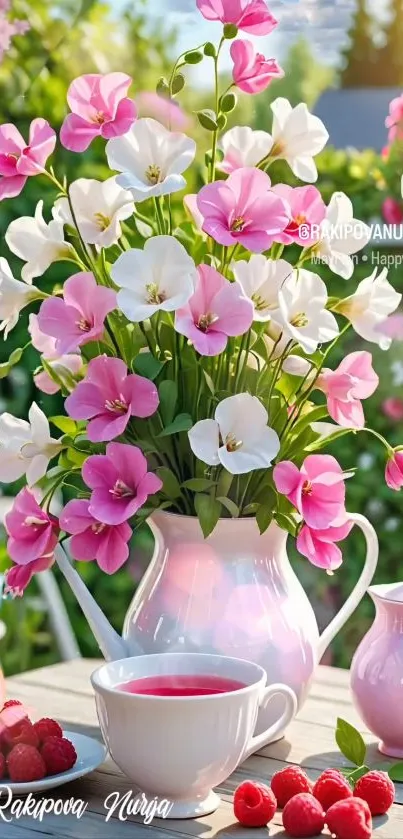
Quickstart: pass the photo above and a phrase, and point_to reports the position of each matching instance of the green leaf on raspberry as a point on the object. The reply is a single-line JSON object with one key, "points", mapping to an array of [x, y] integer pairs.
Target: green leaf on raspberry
{"points": [[355, 776], [395, 772], [350, 742]]}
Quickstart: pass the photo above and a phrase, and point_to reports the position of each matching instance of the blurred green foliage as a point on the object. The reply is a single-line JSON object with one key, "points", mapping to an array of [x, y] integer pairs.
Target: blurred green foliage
{"points": [[68, 38]]}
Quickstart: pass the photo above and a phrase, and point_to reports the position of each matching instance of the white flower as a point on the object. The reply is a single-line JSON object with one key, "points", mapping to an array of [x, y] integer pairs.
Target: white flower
{"points": [[261, 280], [242, 146], [297, 137], [302, 311], [369, 307], [151, 158], [296, 365], [37, 243], [14, 295], [98, 207], [162, 276], [238, 438], [26, 447], [341, 236]]}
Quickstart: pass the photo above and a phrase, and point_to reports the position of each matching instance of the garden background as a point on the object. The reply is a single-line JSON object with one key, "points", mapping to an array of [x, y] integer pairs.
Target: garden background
{"points": [[68, 38]]}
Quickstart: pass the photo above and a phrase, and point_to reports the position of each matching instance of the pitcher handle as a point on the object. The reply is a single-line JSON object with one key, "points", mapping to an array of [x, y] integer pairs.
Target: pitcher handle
{"points": [[371, 561], [276, 730]]}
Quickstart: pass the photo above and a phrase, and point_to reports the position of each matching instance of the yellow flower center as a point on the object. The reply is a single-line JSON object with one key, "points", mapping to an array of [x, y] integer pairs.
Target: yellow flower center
{"points": [[299, 320], [117, 406], [232, 444], [102, 221], [154, 296], [205, 321], [153, 174], [238, 224]]}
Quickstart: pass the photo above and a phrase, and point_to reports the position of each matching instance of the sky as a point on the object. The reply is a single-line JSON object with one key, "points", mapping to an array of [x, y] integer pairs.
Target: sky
{"points": [[325, 23]]}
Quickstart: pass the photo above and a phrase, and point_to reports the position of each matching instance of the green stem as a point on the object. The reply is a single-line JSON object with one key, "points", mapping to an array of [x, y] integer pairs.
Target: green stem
{"points": [[160, 216], [217, 100]]}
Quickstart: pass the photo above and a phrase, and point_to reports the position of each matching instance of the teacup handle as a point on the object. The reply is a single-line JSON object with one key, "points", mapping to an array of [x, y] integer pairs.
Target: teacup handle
{"points": [[291, 705], [360, 588]]}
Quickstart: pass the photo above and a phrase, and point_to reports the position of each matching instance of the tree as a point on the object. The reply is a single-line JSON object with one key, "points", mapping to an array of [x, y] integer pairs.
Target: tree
{"points": [[390, 56], [360, 64]]}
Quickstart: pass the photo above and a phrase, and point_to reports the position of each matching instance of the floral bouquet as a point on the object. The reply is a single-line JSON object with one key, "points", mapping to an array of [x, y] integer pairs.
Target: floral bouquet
{"points": [[193, 340]]}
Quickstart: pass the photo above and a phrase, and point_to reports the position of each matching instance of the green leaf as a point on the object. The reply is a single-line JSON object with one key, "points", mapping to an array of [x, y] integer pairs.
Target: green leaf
{"points": [[193, 57], [224, 482], [228, 103], [395, 772], [350, 742], [208, 510], [15, 357], [145, 364], [230, 31], [209, 382], [229, 505], [264, 517], [286, 523], [355, 776], [198, 484], [168, 392], [210, 50], [178, 83], [221, 121], [65, 424], [181, 423], [171, 486], [76, 458], [207, 119]]}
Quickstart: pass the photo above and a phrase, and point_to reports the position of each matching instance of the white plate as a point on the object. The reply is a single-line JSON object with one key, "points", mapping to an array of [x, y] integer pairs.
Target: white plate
{"points": [[90, 754]]}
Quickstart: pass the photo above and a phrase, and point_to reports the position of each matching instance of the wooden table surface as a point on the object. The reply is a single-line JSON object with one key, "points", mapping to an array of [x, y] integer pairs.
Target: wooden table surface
{"points": [[64, 691]]}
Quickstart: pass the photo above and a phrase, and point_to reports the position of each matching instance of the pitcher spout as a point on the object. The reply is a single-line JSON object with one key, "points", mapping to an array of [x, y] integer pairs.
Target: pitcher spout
{"points": [[112, 646]]}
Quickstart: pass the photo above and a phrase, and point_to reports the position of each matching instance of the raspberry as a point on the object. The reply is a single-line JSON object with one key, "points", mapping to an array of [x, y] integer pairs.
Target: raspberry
{"points": [[254, 804], [330, 787], [22, 732], [59, 755], [3, 766], [47, 728], [377, 790], [10, 703], [303, 816], [350, 819], [25, 764], [289, 782]]}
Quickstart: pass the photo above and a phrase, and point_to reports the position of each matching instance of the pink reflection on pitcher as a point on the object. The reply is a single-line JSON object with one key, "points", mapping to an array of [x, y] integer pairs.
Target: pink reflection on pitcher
{"points": [[377, 670]]}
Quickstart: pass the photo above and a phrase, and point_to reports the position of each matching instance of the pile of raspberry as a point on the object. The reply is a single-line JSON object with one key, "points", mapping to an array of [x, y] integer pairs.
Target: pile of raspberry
{"points": [[31, 751], [308, 808]]}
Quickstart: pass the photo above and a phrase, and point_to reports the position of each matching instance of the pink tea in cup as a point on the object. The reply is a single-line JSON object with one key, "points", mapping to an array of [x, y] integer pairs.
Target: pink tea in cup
{"points": [[181, 685]]}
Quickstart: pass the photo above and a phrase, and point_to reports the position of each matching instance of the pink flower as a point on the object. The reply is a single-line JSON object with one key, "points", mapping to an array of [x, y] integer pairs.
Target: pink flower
{"points": [[392, 211], [251, 16], [99, 106], [108, 397], [18, 161], [166, 111], [218, 309], [394, 471], [243, 209], [317, 490], [318, 545], [120, 483], [32, 532], [307, 213], [19, 576], [46, 346], [395, 119], [353, 380], [252, 72], [107, 544], [78, 318], [393, 408]]}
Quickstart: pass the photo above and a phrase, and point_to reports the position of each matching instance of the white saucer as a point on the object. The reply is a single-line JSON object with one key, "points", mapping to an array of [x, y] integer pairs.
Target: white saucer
{"points": [[90, 754]]}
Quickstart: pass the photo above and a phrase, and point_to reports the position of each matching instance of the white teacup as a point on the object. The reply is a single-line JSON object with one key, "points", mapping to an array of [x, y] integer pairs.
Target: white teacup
{"points": [[180, 747]]}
